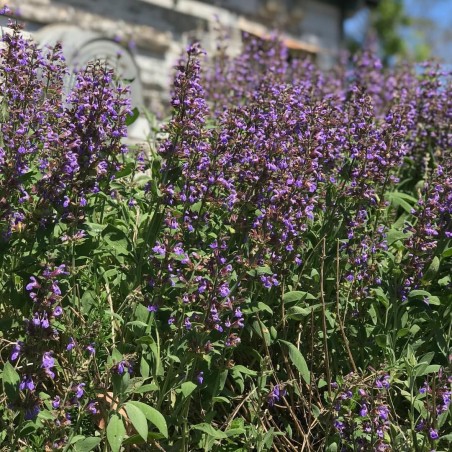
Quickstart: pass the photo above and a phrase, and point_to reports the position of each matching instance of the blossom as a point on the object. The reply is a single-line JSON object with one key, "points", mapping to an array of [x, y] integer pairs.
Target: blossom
{"points": [[275, 394], [71, 344], [16, 351], [48, 362], [27, 383], [79, 390]]}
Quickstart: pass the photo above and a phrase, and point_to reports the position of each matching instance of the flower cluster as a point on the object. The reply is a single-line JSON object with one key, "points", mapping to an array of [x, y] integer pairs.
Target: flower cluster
{"points": [[362, 413], [56, 149]]}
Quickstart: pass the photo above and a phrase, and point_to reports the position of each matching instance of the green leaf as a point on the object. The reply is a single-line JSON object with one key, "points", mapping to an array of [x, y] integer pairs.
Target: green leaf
{"points": [[399, 199], [297, 295], [381, 340], [220, 399], [447, 438], [153, 416], [403, 332], [138, 420], [117, 239], [132, 117], [244, 370], [441, 420], [394, 235], [10, 381], [332, 447], [234, 432], [381, 296], [207, 428], [432, 270], [298, 361], [187, 388], [115, 432], [87, 444], [432, 299], [444, 281], [264, 270], [46, 415], [144, 368], [297, 313], [76, 439], [428, 369], [262, 331], [146, 388], [447, 252], [94, 228], [264, 307]]}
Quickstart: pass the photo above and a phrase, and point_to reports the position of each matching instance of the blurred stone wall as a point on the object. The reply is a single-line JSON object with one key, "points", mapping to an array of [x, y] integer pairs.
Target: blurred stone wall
{"points": [[156, 31]]}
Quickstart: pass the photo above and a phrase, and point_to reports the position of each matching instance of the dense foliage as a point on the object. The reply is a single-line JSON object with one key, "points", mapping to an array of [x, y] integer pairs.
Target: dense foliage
{"points": [[273, 273]]}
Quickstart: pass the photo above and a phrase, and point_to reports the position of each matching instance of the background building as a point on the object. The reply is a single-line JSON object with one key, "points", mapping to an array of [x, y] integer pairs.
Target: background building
{"points": [[155, 31]]}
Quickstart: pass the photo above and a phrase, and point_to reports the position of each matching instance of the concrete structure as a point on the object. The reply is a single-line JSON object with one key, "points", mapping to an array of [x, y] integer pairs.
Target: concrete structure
{"points": [[155, 31]]}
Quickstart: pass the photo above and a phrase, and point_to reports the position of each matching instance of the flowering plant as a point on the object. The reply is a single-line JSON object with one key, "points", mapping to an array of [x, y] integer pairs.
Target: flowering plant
{"points": [[272, 273]]}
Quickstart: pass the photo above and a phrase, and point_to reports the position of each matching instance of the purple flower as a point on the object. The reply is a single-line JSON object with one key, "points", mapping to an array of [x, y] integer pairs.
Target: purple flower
{"points": [[48, 362], [31, 412], [78, 390], [153, 308], [27, 383], [383, 382], [159, 249], [224, 290], [363, 411], [200, 377], [275, 394], [92, 408], [56, 402], [433, 434], [17, 348], [71, 344], [90, 349], [33, 284], [383, 412]]}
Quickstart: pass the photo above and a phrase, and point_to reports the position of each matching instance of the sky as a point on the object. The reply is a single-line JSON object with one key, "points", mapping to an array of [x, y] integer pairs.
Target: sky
{"points": [[438, 35]]}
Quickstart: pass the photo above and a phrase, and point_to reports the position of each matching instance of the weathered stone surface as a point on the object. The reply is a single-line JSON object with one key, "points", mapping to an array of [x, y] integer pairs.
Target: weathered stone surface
{"points": [[157, 31]]}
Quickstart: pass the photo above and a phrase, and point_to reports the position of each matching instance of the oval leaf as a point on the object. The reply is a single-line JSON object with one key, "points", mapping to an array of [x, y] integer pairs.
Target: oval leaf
{"points": [[298, 361], [207, 428], [138, 420], [10, 381], [297, 295], [153, 416], [86, 445], [115, 432]]}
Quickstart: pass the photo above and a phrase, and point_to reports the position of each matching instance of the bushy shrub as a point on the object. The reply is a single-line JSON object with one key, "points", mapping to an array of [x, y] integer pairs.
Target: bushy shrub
{"points": [[273, 273]]}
